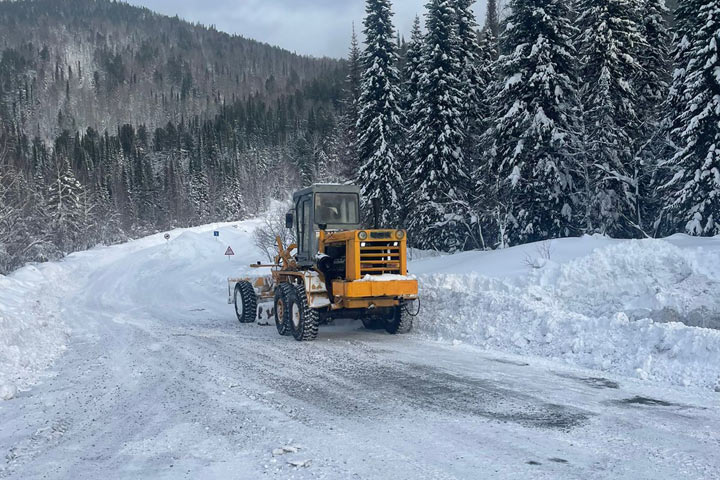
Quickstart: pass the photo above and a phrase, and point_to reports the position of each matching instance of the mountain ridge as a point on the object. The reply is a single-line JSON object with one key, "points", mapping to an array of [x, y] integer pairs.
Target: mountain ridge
{"points": [[73, 64]]}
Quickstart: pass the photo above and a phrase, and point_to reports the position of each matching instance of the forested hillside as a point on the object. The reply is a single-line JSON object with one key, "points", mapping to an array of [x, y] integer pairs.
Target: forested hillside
{"points": [[548, 119], [558, 118], [115, 121]]}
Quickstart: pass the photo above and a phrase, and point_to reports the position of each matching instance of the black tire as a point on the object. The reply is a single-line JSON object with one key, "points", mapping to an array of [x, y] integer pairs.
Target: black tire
{"points": [[245, 302], [373, 323], [401, 321], [282, 312], [303, 320]]}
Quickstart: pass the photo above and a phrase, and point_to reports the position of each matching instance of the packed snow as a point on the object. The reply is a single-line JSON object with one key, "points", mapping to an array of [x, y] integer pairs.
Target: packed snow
{"points": [[31, 334], [159, 380]]}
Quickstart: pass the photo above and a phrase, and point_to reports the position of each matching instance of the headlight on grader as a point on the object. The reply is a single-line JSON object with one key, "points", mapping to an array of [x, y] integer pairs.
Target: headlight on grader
{"points": [[363, 235], [400, 234]]}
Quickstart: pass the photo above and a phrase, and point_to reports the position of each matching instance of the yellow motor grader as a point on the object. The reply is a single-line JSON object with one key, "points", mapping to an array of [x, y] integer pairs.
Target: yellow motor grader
{"points": [[337, 269]]}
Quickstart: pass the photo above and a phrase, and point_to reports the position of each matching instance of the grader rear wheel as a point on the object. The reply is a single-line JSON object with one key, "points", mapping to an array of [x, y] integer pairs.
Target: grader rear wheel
{"points": [[245, 302], [304, 320], [282, 315]]}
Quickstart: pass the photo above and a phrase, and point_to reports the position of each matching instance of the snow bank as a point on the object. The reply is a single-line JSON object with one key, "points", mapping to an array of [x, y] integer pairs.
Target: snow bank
{"points": [[591, 308], [31, 335]]}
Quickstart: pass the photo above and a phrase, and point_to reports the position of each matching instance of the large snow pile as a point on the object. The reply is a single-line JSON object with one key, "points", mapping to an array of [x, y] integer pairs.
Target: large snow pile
{"points": [[589, 301], [31, 334]]}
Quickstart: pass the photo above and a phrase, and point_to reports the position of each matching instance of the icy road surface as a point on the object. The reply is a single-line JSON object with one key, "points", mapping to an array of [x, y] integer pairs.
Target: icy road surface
{"points": [[160, 381]]}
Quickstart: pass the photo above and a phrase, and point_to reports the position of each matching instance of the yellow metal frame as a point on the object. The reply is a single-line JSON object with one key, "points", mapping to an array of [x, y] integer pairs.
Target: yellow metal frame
{"points": [[361, 289], [381, 252]]}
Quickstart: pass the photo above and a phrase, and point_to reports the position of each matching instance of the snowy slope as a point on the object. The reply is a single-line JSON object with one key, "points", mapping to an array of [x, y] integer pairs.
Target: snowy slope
{"points": [[32, 333], [588, 301]]}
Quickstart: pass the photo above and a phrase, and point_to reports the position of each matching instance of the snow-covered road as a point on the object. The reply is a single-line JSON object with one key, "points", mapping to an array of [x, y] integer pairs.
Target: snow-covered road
{"points": [[160, 381]]}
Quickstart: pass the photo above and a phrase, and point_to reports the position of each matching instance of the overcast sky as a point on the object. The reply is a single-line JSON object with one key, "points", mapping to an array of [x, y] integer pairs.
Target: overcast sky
{"points": [[312, 27]]}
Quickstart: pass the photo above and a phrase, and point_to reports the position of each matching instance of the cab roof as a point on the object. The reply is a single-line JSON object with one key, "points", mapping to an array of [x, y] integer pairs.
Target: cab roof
{"points": [[326, 188]]}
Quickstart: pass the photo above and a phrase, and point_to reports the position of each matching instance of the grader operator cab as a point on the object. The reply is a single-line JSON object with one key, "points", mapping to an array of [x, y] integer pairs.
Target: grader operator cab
{"points": [[337, 269]]}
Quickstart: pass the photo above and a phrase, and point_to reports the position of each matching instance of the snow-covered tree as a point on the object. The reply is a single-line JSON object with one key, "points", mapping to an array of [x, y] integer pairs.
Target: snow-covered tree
{"points": [[534, 135], [609, 46], [470, 74], [687, 23], [413, 66], [654, 57], [232, 207], [485, 179], [9, 217], [653, 83], [438, 174], [348, 133], [380, 118], [200, 194], [64, 206], [487, 58], [354, 78], [695, 188], [412, 74], [492, 19]]}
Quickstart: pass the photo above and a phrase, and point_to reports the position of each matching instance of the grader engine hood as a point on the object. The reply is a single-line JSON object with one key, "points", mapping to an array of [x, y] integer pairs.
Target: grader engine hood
{"points": [[368, 252], [373, 264]]}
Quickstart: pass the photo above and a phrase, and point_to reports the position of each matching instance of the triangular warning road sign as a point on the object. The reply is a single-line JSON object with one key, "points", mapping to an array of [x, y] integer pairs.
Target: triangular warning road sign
{"points": [[229, 252]]}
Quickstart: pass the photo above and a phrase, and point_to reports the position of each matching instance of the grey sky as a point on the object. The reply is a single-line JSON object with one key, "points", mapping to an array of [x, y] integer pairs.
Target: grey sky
{"points": [[313, 27]]}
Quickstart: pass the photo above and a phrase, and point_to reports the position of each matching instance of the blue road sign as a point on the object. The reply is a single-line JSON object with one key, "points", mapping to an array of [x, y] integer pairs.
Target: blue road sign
{"points": [[216, 233]]}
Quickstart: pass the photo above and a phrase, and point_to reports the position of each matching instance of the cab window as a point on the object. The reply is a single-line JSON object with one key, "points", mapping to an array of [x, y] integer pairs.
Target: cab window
{"points": [[303, 223], [337, 208], [306, 225]]}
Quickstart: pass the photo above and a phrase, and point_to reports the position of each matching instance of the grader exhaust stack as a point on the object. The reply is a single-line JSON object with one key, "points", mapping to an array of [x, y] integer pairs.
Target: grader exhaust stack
{"points": [[337, 269]]}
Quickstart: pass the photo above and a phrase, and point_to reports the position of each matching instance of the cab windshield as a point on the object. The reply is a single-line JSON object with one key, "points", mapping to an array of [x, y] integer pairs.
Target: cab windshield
{"points": [[336, 208]]}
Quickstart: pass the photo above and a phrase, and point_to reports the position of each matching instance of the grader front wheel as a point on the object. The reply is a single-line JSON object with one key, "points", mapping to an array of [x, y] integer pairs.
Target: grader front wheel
{"points": [[400, 322]]}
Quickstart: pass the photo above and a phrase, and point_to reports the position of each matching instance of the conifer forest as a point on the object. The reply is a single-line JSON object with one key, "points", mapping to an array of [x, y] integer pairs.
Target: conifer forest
{"points": [[544, 119]]}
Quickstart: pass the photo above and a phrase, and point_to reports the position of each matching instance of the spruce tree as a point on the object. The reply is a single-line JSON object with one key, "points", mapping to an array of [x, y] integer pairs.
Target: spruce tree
{"points": [[608, 48], [354, 73], [534, 134], [492, 19], [470, 73], [484, 179], [439, 178], [695, 188], [379, 124], [412, 74], [413, 66], [64, 206], [687, 23], [653, 84], [654, 57], [487, 57], [348, 122]]}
